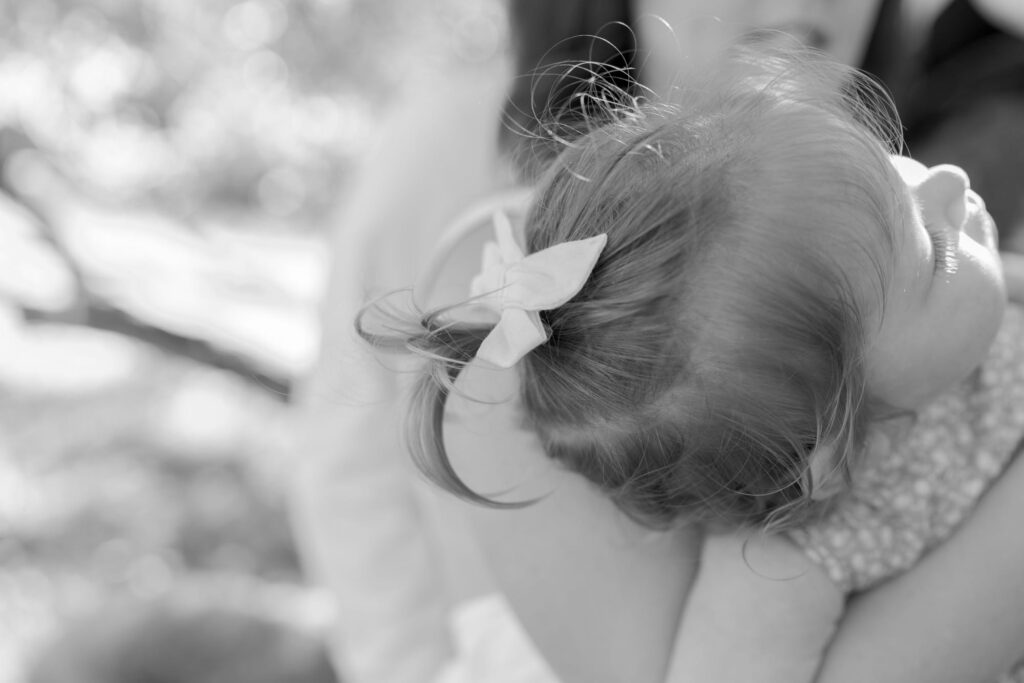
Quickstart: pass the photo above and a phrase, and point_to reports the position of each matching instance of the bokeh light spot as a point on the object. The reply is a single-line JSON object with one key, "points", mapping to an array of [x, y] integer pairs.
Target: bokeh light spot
{"points": [[252, 24]]}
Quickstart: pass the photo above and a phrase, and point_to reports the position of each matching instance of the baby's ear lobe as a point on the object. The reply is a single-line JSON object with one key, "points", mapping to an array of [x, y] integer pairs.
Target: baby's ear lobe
{"points": [[943, 196], [824, 477]]}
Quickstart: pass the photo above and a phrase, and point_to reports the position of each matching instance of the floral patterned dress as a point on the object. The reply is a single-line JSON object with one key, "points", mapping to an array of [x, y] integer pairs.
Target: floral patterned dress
{"points": [[910, 496]]}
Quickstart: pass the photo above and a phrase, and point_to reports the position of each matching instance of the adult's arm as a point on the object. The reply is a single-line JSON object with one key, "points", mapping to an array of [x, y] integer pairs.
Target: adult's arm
{"points": [[761, 596], [955, 617], [361, 530], [760, 610], [599, 595]]}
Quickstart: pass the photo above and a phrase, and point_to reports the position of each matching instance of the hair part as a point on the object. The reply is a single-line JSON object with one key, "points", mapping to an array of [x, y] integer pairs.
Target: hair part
{"points": [[719, 339]]}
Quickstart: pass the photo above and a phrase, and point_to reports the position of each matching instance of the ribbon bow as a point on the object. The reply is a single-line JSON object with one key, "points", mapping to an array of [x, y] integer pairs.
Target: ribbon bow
{"points": [[517, 287]]}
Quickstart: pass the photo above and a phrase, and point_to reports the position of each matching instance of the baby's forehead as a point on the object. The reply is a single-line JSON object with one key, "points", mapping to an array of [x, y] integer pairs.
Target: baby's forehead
{"points": [[910, 170], [907, 174]]}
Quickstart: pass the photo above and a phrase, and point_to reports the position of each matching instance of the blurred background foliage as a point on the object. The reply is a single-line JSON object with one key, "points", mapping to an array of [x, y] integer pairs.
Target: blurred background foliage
{"points": [[169, 172], [213, 105]]}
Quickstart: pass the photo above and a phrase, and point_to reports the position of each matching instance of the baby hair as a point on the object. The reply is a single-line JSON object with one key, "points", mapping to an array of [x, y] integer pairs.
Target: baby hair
{"points": [[558, 45], [719, 339]]}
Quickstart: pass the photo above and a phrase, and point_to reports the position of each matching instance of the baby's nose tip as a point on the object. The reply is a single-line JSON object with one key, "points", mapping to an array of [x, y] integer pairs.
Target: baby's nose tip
{"points": [[948, 187], [954, 175]]}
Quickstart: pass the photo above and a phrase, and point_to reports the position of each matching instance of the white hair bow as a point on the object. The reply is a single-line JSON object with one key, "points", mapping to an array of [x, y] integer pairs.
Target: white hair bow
{"points": [[517, 287]]}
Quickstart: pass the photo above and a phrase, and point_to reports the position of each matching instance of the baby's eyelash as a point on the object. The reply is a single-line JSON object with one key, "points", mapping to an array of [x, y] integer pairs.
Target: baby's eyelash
{"points": [[943, 247]]}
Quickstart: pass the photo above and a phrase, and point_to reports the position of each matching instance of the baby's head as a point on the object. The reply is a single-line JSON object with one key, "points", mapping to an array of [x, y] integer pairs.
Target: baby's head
{"points": [[765, 293], [946, 294], [720, 339]]}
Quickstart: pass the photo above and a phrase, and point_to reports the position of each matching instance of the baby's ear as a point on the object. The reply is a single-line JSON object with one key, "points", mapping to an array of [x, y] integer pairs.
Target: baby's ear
{"points": [[824, 477], [943, 196]]}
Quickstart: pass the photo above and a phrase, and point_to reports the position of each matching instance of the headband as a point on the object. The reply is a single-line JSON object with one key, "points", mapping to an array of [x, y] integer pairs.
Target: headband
{"points": [[517, 287]]}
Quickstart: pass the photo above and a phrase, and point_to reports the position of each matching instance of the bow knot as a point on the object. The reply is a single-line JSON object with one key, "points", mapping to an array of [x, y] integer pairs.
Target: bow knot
{"points": [[517, 287]]}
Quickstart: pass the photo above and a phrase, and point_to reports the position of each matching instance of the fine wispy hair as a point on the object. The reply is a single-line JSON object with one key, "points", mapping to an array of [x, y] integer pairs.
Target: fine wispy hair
{"points": [[567, 100], [565, 53], [719, 340]]}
